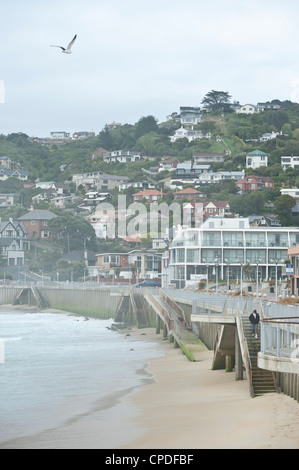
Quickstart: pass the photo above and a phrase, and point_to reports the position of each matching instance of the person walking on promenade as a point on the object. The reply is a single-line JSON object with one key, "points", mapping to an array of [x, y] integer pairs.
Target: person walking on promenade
{"points": [[254, 319]]}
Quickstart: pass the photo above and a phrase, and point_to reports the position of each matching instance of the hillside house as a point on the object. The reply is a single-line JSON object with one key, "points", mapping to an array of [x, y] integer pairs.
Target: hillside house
{"points": [[190, 115], [256, 159], [263, 221], [189, 193], [13, 242], [98, 181], [82, 135], [254, 183], [216, 208], [137, 185], [60, 135], [53, 190], [36, 223], [249, 109], [208, 158], [12, 252], [293, 192], [99, 153], [7, 163], [150, 195], [8, 200], [113, 125], [269, 136], [188, 170], [122, 156], [289, 161], [189, 134], [168, 164], [68, 166], [92, 199], [17, 173]]}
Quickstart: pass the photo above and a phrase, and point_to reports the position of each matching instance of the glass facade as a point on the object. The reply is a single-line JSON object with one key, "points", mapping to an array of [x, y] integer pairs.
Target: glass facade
{"points": [[224, 250]]}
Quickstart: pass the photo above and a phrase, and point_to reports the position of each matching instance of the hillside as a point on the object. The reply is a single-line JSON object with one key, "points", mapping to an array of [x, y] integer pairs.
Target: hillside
{"points": [[231, 133]]}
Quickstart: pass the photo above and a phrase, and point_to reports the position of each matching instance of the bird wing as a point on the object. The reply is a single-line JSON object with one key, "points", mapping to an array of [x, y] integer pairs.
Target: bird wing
{"points": [[72, 42], [58, 46]]}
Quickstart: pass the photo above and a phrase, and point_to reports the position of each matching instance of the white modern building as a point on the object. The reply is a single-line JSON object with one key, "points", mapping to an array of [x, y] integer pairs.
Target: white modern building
{"points": [[189, 134], [122, 156], [256, 159], [293, 192], [59, 135], [208, 158], [221, 246], [289, 162], [190, 115], [249, 109]]}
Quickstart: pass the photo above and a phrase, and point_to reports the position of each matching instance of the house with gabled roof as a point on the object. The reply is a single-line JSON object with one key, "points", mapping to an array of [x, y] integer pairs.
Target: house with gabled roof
{"points": [[168, 164], [36, 223], [254, 183], [99, 153], [17, 173], [249, 109], [256, 159], [216, 208], [149, 194], [188, 193]]}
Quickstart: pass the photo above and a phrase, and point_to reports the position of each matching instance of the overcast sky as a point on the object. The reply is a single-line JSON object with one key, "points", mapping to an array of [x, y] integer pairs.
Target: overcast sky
{"points": [[135, 58]]}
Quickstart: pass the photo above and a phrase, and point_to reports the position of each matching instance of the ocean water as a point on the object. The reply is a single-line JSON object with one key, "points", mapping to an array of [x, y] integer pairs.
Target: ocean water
{"points": [[56, 367]]}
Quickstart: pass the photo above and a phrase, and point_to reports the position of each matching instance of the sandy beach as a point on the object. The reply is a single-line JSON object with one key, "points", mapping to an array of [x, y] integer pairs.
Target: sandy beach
{"points": [[182, 405], [189, 406]]}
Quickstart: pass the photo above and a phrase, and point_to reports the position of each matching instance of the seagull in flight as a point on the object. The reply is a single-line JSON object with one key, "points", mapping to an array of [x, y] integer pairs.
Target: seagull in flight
{"points": [[68, 49]]}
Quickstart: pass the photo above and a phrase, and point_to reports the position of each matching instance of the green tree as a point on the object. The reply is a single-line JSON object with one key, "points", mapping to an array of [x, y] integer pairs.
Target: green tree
{"points": [[146, 124], [283, 208], [296, 134], [247, 204], [217, 100], [71, 232]]}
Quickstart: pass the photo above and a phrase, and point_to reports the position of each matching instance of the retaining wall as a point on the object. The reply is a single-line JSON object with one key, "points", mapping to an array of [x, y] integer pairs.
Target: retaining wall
{"points": [[101, 303]]}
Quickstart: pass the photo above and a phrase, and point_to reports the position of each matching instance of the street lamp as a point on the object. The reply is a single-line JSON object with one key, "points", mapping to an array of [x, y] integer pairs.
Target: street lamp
{"points": [[227, 273], [257, 277], [216, 272], [207, 275], [241, 277], [276, 277]]}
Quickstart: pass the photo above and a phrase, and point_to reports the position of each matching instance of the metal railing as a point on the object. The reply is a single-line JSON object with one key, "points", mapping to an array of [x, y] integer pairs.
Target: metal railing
{"points": [[280, 337]]}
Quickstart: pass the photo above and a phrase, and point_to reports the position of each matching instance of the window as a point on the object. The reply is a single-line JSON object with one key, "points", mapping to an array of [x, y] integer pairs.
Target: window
{"points": [[209, 256], [254, 256], [233, 238], [255, 239], [211, 239], [192, 256], [180, 255]]}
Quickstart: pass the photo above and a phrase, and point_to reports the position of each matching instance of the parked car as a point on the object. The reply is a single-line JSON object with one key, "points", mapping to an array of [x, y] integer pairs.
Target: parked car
{"points": [[148, 283]]}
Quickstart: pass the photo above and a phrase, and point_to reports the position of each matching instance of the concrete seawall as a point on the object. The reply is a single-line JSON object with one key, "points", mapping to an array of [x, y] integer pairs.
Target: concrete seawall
{"points": [[100, 302]]}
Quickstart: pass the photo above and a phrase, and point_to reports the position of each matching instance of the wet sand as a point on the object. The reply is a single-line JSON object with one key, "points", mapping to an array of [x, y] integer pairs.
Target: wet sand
{"points": [[192, 407], [182, 405]]}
